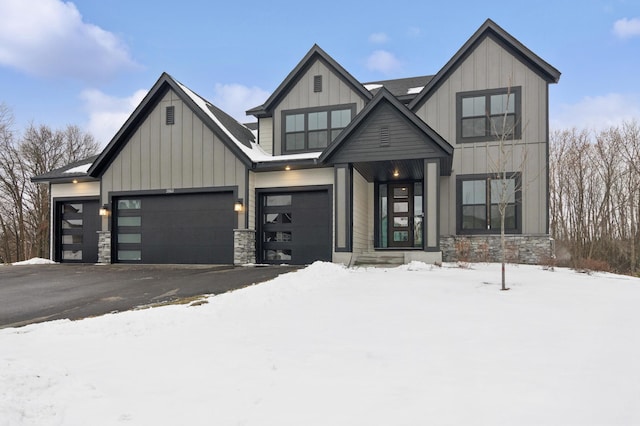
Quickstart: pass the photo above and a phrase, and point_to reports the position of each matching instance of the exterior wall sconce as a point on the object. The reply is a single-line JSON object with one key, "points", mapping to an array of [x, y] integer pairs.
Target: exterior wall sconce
{"points": [[104, 210], [74, 181], [396, 173], [287, 168], [238, 206]]}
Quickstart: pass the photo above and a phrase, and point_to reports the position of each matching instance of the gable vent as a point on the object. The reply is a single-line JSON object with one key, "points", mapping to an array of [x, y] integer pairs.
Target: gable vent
{"points": [[384, 136], [317, 83], [171, 115]]}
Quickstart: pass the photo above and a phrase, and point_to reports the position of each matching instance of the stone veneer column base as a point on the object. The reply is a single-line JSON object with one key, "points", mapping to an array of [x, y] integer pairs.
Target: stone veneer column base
{"points": [[244, 246], [529, 249], [104, 246]]}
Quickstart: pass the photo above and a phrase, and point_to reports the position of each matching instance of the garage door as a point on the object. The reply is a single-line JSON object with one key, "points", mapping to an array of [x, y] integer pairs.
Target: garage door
{"points": [[76, 231], [295, 227], [175, 228]]}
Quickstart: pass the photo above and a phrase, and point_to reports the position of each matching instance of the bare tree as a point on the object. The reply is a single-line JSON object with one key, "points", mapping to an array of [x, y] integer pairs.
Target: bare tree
{"points": [[595, 195], [24, 206]]}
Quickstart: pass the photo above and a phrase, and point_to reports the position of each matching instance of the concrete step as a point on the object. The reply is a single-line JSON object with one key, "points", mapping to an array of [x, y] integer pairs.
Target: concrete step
{"points": [[382, 259]]}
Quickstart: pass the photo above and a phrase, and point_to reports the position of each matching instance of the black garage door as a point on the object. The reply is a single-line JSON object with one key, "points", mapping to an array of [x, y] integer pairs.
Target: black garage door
{"points": [[295, 227], [76, 233], [175, 228]]}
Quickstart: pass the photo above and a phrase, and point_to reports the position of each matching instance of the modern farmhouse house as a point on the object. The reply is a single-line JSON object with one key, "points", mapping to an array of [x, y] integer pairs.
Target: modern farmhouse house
{"points": [[334, 170]]}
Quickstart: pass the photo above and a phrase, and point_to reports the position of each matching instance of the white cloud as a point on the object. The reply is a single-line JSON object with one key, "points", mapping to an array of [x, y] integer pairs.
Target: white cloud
{"points": [[383, 61], [597, 112], [378, 38], [49, 38], [108, 113], [627, 28], [236, 99]]}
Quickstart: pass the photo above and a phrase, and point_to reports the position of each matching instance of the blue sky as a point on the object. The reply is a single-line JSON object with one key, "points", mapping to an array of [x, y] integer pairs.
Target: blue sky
{"points": [[90, 62]]}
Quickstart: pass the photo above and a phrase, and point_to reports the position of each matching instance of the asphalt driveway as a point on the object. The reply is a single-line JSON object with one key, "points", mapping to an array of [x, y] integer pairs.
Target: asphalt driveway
{"points": [[37, 293]]}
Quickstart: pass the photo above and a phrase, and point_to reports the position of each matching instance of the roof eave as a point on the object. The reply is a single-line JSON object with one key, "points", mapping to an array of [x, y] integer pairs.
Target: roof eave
{"points": [[268, 166], [64, 179]]}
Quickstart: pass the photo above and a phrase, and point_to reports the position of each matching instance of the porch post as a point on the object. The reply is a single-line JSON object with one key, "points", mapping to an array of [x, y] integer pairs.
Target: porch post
{"points": [[431, 201], [342, 207]]}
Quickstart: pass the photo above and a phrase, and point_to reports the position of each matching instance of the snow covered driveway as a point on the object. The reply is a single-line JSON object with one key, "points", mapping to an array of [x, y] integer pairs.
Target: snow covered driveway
{"points": [[327, 345]]}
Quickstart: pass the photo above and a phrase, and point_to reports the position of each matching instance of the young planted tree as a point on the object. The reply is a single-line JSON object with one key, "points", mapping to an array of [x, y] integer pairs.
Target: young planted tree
{"points": [[506, 181]]}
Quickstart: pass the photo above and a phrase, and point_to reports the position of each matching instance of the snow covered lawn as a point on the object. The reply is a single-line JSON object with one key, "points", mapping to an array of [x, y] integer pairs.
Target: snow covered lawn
{"points": [[326, 345]]}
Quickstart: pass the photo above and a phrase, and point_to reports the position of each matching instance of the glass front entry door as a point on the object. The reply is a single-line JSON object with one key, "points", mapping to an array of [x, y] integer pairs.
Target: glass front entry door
{"points": [[400, 212]]}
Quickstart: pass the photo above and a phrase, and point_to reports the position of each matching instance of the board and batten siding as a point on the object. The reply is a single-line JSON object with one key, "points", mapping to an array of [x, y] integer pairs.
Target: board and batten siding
{"points": [[251, 205], [362, 205], [404, 140], [184, 155], [265, 134], [335, 91], [70, 190], [490, 66], [294, 178]]}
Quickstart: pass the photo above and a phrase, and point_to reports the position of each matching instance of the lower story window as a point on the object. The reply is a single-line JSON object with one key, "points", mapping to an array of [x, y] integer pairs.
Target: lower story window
{"points": [[480, 199]]}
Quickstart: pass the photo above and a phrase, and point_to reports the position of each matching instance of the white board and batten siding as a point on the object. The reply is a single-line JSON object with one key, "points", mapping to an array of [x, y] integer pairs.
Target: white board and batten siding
{"points": [[265, 134], [184, 155], [490, 66], [362, 220], [80, 189]]}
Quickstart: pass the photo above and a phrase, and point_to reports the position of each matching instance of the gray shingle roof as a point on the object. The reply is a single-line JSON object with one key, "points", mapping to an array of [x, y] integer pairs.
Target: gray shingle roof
{"points": [[400, 87], [61, 174]]}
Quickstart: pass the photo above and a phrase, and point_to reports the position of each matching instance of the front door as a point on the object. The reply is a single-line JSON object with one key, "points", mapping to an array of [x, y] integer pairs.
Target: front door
{"points": [[401, 215]]}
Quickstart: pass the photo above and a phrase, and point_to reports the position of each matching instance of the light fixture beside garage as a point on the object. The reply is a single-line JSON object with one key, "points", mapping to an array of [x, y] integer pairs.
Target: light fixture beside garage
{"points": [[238, 206], [104, 210]]}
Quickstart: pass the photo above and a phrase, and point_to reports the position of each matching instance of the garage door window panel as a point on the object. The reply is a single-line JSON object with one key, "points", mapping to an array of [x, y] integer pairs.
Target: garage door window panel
{"points": [[72, 239], [129, 238], [129, 204], [277, 255], [129, 255], [72, 255], [129, 226]]}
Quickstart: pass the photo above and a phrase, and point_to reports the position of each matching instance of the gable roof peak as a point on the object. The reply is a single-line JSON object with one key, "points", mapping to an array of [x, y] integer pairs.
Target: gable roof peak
{"points": [[489, 29], [385, 96], [287, 84], [234, 135]]}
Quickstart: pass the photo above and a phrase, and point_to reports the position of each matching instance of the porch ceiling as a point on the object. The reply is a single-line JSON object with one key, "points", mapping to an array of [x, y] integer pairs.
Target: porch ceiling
{"points": [[412, 169], [383, 171]]}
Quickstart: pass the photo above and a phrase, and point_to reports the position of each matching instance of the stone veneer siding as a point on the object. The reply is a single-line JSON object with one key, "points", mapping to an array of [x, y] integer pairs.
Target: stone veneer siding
{"points": [[530, 249], [244, 246], [104, 246]]}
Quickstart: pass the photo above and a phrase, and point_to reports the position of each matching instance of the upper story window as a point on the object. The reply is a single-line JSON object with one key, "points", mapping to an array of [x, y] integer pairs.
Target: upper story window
{"points": [[315, 128], [479, 199], [488, 114]]}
